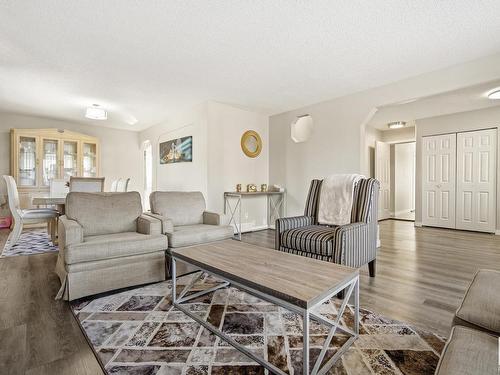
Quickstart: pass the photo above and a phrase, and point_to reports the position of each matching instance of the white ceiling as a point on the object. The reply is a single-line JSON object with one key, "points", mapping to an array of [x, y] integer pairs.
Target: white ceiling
{"points": [[466, 99], [150, 59]]}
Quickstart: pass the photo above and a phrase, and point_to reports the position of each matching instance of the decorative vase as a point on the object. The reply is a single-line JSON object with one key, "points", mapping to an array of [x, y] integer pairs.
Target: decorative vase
{"points": [[251, 188]]}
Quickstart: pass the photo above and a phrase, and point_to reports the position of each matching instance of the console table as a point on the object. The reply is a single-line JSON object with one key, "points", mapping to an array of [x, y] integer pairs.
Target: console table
{"points": [[275, 206]]}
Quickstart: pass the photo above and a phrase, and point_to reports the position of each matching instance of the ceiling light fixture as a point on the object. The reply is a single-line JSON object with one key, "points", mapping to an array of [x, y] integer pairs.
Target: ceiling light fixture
{"points": [[396, 125], [494, 94], [96, 113]]}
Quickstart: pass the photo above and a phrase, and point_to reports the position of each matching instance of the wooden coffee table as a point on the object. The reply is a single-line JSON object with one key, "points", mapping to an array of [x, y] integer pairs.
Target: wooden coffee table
{"points": [[296, 283]]}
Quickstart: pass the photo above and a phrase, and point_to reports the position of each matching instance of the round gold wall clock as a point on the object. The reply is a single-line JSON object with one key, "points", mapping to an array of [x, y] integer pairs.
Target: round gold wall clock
{"points": [[251, 143]]}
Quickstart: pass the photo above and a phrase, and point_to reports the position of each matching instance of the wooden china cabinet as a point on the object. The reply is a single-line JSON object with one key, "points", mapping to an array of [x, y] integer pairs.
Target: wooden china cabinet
{"points": [[40, 155]]}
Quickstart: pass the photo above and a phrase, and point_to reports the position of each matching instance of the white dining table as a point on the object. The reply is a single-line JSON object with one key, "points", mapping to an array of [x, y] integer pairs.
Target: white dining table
{"points": [[50, 200]]}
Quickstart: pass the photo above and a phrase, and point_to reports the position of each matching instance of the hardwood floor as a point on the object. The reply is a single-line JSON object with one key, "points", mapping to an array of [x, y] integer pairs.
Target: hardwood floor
{"points": [[422, 274], [38, 335]]}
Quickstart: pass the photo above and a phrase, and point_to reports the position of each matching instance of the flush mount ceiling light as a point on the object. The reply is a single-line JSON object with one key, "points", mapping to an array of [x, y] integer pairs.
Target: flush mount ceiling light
{"points": [[495, 94], [302, 128], [396, 125], [96, 113]]}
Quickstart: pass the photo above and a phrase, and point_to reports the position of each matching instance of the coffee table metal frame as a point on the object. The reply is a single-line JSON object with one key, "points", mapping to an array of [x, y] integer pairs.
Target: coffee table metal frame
{"points": [[350, 286]]}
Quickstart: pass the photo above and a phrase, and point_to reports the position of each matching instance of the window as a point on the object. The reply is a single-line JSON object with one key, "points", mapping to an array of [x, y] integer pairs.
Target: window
{"points": [[148, 172]]}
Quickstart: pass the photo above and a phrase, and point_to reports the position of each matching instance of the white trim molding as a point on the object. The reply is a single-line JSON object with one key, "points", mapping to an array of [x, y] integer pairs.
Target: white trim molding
{"points": [[418, 224]]}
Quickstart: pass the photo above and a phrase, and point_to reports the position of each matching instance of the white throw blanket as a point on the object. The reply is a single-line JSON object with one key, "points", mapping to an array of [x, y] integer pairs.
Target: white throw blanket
{"points": [[335, 199]]}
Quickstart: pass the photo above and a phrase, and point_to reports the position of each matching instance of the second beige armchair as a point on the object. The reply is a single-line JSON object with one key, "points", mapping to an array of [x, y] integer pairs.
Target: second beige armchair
{"points": [[185, 220]]}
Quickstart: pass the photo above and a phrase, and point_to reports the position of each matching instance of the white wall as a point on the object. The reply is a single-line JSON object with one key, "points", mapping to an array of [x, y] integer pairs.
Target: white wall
{"points": [[332, 148], [120, 151], [337, 144], [228, 165], [458, 122], [372, 135], [188, 176], [218, 161], [398, 135], [404, 176]]}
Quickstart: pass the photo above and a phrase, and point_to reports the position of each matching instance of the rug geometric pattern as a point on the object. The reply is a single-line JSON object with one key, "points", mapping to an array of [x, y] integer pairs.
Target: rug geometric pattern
{"points": [[137, 331], [32, 241]]}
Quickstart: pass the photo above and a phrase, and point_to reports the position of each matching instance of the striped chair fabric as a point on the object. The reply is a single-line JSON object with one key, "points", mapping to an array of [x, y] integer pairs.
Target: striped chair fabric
{"points": [[353, 244]]}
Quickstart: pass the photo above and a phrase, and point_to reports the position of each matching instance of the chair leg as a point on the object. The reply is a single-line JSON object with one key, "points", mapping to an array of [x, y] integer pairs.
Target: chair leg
{"points": [[16, 233], [372, 267], [53, 230]]}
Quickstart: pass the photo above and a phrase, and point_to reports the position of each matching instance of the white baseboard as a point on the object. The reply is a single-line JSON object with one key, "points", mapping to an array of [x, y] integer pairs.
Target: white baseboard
{"points": [[497, 232], [399, 213], [418, 224], [248, 227]]}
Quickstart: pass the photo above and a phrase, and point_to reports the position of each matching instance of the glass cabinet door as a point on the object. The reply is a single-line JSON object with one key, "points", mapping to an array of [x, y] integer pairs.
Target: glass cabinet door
{"points": [[89, 160], [27, 161], [70, 159], [50, 158]]}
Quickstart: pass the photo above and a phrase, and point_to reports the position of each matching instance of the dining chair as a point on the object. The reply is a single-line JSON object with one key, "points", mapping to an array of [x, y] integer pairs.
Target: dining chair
{"points": [[114, 185], [86, 184], [58, 188], [122, 185], [22, 216]]}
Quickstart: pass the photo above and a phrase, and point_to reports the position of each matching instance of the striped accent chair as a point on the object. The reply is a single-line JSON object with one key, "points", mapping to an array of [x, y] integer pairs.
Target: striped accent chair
{"points": [[353, 245]]}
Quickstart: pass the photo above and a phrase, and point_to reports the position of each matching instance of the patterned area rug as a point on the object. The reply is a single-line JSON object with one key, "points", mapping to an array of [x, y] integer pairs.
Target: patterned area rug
{"points": [[32, 241], [138, 332]]}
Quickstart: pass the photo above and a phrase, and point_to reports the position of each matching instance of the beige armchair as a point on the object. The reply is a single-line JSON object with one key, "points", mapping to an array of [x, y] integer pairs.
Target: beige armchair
{"points": [[185, 220], [106, 243]]}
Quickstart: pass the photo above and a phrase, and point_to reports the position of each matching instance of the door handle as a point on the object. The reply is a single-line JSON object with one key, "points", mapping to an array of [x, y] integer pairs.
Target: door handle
{"points": [[438, 186]]}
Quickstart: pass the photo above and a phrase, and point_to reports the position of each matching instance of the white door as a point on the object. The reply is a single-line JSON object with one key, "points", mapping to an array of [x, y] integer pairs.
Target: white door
{"points": [[404, 179], [476, 180], [383, 174], [438, 180]]}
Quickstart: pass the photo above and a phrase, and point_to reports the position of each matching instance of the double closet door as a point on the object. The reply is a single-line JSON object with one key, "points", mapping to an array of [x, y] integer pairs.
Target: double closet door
{"points": [[459, 180]]}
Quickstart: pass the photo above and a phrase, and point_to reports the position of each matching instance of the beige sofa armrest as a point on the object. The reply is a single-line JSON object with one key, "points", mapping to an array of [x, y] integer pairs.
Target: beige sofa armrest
{"points": [[213, 218], [149, 225], [167, 225], [70, 232]]}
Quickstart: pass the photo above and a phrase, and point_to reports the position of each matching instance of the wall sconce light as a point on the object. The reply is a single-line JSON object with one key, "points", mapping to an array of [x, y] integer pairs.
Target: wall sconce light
{"points": [[301, 128]]}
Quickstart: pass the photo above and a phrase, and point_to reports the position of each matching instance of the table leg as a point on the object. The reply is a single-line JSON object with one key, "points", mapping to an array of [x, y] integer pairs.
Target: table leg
{"points": [[239, 230], [305, 339], [268, 218], [235, 213], [53, 231], [356, 307], [174, 279]]}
